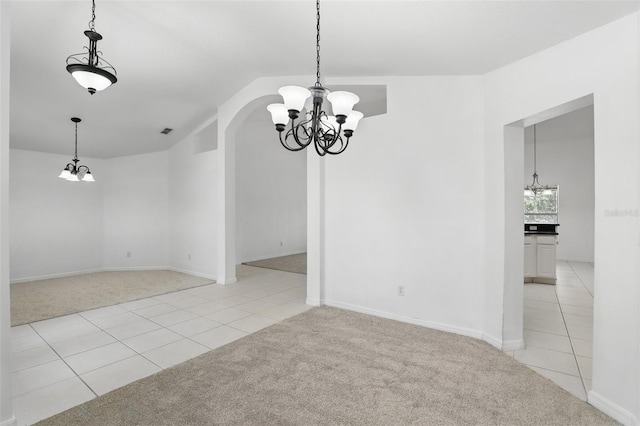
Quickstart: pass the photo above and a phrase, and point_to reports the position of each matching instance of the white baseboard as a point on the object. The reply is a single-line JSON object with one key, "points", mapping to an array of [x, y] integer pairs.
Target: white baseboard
{"points": [[270, 256], [195, 274], [111, 269], [223, 281], [428, 324], [612, 409], [512, 345], [10, 422], [493, 341], [51, 276], [135, 268]]}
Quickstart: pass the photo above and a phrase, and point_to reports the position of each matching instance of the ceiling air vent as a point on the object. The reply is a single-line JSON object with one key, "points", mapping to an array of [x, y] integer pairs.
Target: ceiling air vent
{"points": [[166, 131]]}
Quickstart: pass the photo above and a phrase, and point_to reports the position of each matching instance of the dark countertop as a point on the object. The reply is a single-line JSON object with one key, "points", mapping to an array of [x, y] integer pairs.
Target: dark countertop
{"points": [[540, 228]]}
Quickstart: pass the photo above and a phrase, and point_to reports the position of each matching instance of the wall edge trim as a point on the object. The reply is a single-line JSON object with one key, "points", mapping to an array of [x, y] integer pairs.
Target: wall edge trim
{"points": [[612, 409], [195, 274], [469, 332], [9, 422]]}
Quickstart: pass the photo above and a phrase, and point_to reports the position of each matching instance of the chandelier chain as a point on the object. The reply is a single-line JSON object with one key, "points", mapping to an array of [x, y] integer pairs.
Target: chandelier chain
{"points": [[318, 43], [92, 23], [535, 166]]}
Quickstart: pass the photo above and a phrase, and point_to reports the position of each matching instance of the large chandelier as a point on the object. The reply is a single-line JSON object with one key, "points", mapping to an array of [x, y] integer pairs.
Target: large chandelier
{"points": [[536, 188], [329, 134], [89, 69], [72, 172]]}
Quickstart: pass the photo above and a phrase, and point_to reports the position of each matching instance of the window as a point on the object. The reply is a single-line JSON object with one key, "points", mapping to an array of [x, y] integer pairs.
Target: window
{"points": [[541, 208]]}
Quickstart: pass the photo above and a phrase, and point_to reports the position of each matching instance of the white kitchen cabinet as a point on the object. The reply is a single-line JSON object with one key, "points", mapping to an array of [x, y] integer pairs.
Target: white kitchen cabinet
{"points": [[529, 257], [540, 259]]}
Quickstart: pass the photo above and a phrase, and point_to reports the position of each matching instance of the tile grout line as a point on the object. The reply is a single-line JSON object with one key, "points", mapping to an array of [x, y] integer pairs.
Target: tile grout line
{"points": [[588, 291], [573, 349], [142, 354], [65, 362], [580, 279]]}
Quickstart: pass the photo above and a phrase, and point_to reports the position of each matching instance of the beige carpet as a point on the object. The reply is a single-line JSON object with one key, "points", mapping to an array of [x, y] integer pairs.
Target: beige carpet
{"points": [[294, 263], [333, 367], [38, 300]]}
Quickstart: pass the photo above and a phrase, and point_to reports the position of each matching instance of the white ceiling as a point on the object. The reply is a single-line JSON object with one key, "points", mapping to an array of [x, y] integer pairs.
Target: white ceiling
{"points": [[177, 61]]}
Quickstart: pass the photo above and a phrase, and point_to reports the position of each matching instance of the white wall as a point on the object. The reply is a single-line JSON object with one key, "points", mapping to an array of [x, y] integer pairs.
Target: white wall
{"points": [[603, 62], [56, 226], [565, 158], [61, 228], [271, 193], [136, 211], [193, 189], [159, 207], [404, 207]]}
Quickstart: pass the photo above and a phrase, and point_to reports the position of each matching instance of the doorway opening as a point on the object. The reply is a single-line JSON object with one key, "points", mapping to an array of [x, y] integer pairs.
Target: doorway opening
{"points": [[557, 319], [270, 197]]}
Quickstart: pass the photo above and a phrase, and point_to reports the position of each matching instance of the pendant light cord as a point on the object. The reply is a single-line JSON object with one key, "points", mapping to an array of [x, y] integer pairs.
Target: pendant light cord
{"points": [[318, 43]]}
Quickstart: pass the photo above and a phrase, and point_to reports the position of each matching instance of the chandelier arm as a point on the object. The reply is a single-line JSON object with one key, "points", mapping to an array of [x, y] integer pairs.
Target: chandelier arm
{"points": [[103, 61], [83, 58], [293, 132], [284, 144], [335, 143], [320, 152], [343, 146], [330, 140]]}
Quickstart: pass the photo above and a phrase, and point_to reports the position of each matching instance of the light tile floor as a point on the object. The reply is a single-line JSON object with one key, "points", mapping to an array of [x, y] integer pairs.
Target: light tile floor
{"points": [[558, 328], [62, 362]]}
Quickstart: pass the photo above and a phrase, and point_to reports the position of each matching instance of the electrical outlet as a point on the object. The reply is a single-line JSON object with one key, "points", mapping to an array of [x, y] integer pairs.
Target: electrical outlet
{"points": [[128, 254], [400, 290]]}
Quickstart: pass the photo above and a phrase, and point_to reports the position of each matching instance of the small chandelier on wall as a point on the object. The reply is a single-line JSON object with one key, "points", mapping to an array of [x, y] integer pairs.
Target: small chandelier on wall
{"points": [[89, 68], [329, 134], [72, 172], [536, 188]]}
